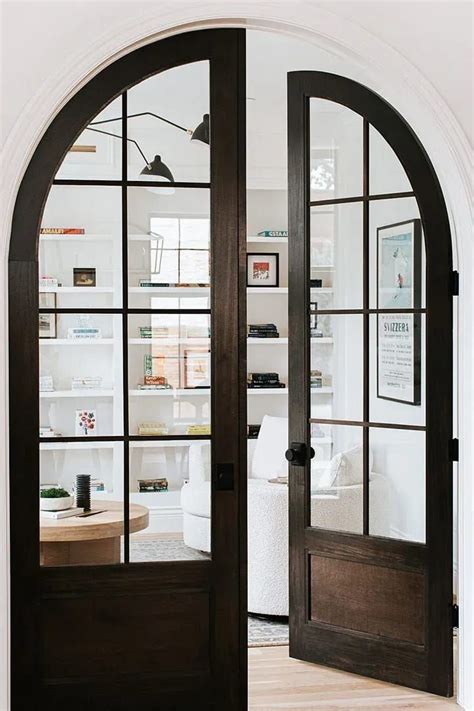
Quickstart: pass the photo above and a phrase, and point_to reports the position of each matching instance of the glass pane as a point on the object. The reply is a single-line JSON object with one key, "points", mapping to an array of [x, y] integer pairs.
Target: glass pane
{"points": [[95, 155], [173, 127], [336, 374], [336, 256], [336, 156], [169, 374], [397, 368], [75, 478], [80, 374], [397, 254], [397, 484], [173, 481], [80, 247], [337, 478], [386, 172], [169, 249]]}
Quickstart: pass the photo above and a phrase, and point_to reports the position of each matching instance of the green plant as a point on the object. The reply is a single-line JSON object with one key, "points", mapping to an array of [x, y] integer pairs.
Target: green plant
{"points": [[54, 493]]}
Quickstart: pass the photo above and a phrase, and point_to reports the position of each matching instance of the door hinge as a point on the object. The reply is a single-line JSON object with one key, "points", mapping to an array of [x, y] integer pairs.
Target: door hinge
{"points": [[454, 450], [455, 283], [455, 614]]}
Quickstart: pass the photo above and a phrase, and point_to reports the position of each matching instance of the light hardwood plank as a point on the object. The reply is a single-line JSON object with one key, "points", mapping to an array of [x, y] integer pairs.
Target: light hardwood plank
{"points": [[278, 682]]}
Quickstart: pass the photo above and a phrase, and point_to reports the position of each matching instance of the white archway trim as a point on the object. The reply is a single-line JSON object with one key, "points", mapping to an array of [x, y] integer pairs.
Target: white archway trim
{"points": [[367, 60]]}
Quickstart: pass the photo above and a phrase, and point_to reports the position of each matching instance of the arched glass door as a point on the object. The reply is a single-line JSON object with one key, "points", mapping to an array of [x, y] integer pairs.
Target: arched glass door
{"points": [[130, 252], [370, 323]]}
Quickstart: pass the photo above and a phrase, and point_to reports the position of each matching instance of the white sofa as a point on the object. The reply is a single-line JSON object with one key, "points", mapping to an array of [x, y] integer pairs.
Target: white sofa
{"points": [[336, 504]]}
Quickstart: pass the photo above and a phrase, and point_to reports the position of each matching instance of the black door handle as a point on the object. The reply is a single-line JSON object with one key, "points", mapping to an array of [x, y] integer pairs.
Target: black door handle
{"points": [[298, 454]]}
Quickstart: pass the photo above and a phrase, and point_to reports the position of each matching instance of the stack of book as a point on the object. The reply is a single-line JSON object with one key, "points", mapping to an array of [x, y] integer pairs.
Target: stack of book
{"points": [[273, 233], [88, 383], [48, 432], [316, 379], [262, 330], [152, 429], [198, 429], [82, 332], [148, 485], [46, 282], [46, 384], [153, 331], [151, 381], [65, 513], [97, 485], [252, 431], [62, 231], [264, 380]]}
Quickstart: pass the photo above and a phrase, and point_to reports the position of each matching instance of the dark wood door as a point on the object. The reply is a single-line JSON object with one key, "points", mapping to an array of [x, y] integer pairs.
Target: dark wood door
{"points": [[112, 632], [370, 318]]}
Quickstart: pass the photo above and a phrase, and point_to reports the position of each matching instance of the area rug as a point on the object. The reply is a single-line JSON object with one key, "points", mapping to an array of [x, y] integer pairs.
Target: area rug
{"points": [[268, 631]]}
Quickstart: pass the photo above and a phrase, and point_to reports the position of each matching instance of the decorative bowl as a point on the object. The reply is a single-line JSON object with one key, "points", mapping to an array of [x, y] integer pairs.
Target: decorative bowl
{"points": [[59, 504]]}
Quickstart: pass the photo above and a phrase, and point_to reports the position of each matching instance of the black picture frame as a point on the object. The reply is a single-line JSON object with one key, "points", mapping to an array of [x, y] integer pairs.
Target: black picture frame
{"points": [[265, 256], [87, 273], [403, 321]]}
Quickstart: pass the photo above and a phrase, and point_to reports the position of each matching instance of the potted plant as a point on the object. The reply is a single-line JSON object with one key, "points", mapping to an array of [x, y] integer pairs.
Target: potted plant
{"points": [[55, 499]]}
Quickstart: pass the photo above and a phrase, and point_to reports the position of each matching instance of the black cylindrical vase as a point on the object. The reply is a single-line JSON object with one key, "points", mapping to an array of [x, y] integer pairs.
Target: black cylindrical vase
{"points": [[83, 491]]}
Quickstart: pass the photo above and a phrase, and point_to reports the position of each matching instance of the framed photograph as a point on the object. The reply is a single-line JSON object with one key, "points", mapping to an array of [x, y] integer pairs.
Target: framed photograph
{"points": [[86, 423], [84, 276], [47, 322], [197, 367], [399, 334], [262, 269]]}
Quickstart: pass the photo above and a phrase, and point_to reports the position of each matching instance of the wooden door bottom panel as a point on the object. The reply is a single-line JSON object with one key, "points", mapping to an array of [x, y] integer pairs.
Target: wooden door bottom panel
{"points": [[360, 654], [149, 692]]}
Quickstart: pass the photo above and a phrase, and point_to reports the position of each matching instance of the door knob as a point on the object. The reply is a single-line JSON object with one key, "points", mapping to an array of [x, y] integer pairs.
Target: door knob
{"points": [[298, 453]]}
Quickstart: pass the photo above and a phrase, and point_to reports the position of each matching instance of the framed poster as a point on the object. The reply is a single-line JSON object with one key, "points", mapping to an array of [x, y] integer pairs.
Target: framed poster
{"points": [[197, 367], [399, 334], [262, 269]]}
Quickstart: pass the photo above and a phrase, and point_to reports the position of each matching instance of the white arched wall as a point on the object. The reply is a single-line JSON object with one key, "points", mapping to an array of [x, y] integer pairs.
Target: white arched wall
{"points": [[363, 57]]}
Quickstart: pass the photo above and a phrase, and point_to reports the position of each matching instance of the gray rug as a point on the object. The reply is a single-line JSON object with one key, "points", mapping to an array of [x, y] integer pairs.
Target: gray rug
{"points": [[263, 631], [268, 631]]}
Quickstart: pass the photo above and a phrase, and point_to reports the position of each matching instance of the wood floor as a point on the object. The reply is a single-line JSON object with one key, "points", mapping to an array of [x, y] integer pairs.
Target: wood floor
{"points": [[278, 682]]}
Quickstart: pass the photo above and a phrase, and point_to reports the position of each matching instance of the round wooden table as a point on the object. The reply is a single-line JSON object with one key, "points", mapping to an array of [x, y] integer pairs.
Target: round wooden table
{"points": [[91, 540]]}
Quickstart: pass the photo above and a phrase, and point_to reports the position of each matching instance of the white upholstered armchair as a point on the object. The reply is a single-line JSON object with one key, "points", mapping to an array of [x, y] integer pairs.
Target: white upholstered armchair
{"points": [[336, 503]]}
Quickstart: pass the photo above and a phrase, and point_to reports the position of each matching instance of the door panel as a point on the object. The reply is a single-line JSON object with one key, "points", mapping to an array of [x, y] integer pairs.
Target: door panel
{"points": [[114, 618], [370, 514]]}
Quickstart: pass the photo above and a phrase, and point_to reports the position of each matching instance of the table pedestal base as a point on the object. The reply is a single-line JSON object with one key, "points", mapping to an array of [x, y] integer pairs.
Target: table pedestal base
{"points": [[103, 551]]}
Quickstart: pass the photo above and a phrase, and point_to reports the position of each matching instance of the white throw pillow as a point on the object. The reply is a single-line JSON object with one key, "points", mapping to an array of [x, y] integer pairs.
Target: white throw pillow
{"points": [[269, 455], [351, 469], [323, 474]]}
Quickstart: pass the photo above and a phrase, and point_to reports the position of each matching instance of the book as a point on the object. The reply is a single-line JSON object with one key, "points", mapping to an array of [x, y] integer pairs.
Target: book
{"points": [[155, 380], [198, 429], [62, 231], [48, 283], [66, 513], [273, 233], [87, 383], [75, 333], [152, 429], [143, 386]]}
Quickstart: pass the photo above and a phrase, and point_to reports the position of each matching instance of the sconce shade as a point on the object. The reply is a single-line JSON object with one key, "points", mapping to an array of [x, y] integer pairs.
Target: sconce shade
{"points": [[158, 168], [201, 132]]}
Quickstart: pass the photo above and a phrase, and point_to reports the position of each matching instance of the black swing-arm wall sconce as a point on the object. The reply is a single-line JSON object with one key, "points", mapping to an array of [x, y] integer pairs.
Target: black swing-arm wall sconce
{"points": [[156, 167]]}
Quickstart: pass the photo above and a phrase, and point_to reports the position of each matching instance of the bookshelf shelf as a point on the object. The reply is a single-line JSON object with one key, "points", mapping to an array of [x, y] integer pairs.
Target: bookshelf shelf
{"points": [[283, 341], [169, 341], [76, 289], [76, 341], [255, 239], [74, 239], [76, 393]]}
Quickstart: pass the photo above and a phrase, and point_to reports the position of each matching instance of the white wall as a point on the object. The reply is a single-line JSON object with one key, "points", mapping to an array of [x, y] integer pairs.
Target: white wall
{"points": [[418, 55]]}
